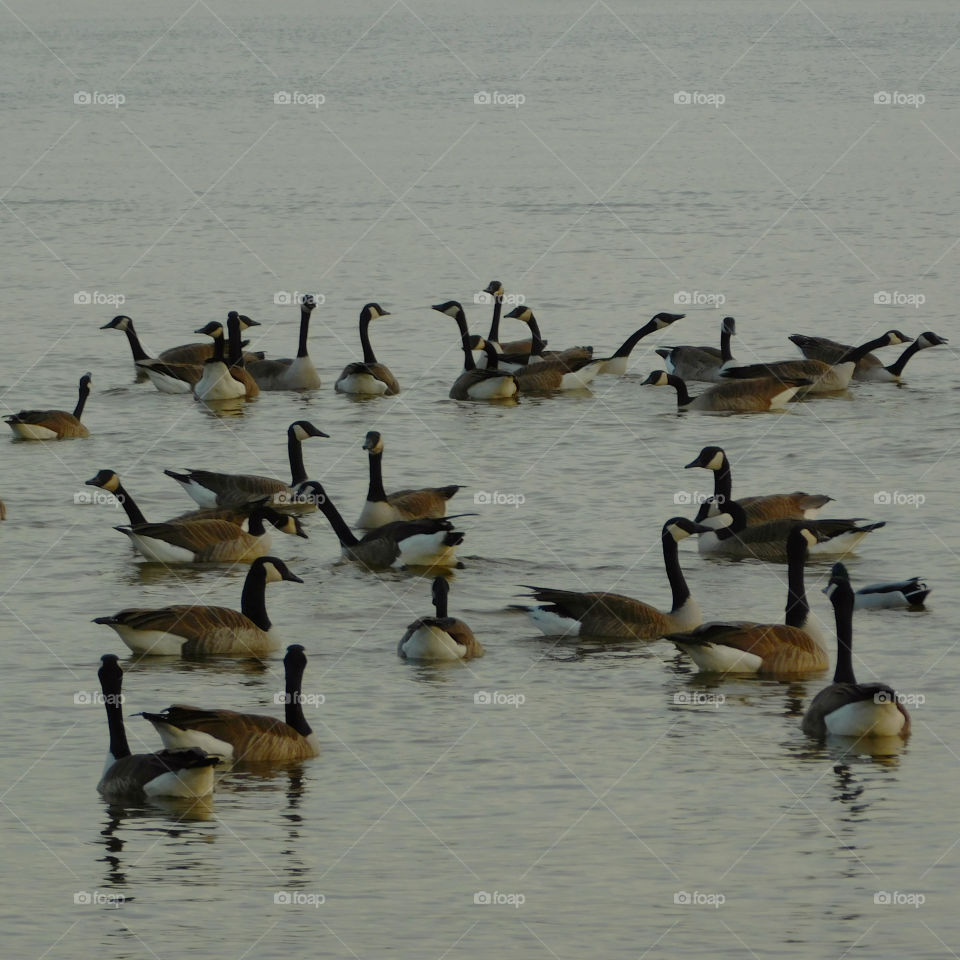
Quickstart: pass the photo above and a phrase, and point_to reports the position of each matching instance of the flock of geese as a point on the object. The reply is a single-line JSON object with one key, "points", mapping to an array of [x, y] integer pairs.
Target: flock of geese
{"points": [[236, 516]]}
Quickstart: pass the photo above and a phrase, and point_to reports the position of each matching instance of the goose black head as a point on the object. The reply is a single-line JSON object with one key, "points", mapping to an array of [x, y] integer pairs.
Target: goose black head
{"points": [[373, 311], [275, 570], [85, 382], [439, 591], [521, 313], [494, 288], [308, 302], [665, 319], [679, 528], [121, 322], [657, 378], [477, 342], [303, 429], [451, 308], [895, 338], [105, 480], [212, 329], [310, 491], [930, 339], [373, 442], [838, 578], [110, 672], [710, 458], [729, 325], [295, 657], [246, 322]]}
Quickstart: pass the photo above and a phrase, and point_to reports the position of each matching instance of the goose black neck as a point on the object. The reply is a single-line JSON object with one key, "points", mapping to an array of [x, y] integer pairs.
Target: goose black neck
{"points": [[375, 491], [136, 348], [219, 345], [255, 522], [468, 363], [440, 603], [298, 471], [798, 610], [723, 484], [134, 514], [81, 402], [368, 354], [683, 398], [843, 611], [634, 338], [253, 600], [344, 534], [293, 709], [896, 368], [119, 747], [537, 345], [726, 354], [304, 331], [671, 560], [493, 358], [495, 322], [858, 353], [236, 351]]}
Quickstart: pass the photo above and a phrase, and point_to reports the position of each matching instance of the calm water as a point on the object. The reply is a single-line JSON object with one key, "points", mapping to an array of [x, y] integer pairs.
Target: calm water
{"points": [[598, 799]]}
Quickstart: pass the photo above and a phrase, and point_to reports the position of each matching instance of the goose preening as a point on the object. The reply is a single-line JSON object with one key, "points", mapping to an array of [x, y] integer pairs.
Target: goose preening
{"points": [[701, 363], [52, 424], [617, 364], [406, 543], [475, 383], [136, 776], [439, 637], [825, 377], [197, 540], [381, 509], [296, 373], [847, 708], [902, 593], [571, 613], [795, 646], [768, 540], [742, 396], [830, 351], [368, 377], [194, 631], [245, 737], [774, 506], [211, 489]]}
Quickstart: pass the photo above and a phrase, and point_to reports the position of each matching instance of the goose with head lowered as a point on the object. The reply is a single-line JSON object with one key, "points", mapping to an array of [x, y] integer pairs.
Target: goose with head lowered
{"points": [[137, 776], [440, 637], [201, 540], [701, 363], [381, 509], [405, 543], [475, 383], [738, 646], [211, 489], [912, 592], [825, 377], [747, 396], [368, 377], [616, 365], [245, 737], [847, 708], [52, 424], [287, 373], [192, 631], [572, 613], [772, 506], [830, 351]]}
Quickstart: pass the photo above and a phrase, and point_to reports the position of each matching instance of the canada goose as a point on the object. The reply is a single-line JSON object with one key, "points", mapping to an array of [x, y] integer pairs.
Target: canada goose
{"points": [[368, 378], [134, 776], [746, 396], [569, 612], [829, 351], [226, 379], [194, 631], [290, 374], [774, 506], [475, 383], [903, 593], [768, 540], [245, 737], [847, 708], [381, 509], [495, 289], [893, 373], [617, 364], [701, 363], [235, 360], [406, 543], [210, 489], [741, 647], [52, 424], [439, 637], [825, 377]]}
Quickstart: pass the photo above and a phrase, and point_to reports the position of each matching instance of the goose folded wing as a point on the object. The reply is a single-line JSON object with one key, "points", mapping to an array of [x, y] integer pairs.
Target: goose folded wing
{"points": [[196, 536], [190, 622], [576, 606], [779, 647]]}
